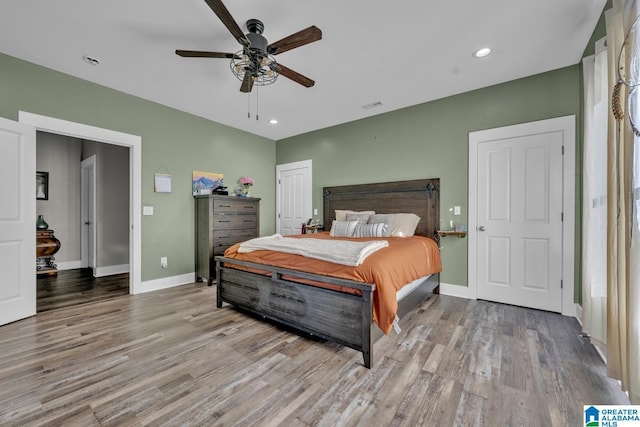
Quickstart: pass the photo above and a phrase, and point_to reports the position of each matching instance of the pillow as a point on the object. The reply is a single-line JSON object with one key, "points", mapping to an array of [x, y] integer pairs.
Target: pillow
{"points": [[369, 230], [399, 225], [386, 220], [362, 217], [404, 224], [343, 228], [341, 215]]}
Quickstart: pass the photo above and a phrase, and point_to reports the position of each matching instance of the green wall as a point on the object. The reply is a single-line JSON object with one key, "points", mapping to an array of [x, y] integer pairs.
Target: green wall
{"points": [[171, 140], [427, 140], [431, 140]]}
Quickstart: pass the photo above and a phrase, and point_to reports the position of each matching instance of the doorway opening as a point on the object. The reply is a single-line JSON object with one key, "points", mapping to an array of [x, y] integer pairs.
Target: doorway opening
{"points": [[105, 136]]}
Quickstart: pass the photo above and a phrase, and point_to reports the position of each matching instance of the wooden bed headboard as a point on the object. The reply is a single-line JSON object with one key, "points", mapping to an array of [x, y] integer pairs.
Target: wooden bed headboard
{"points": [[420, 196]]}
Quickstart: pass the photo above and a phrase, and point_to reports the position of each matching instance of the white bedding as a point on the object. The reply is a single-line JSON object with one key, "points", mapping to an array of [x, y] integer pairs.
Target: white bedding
{"points": [[338, 251]]}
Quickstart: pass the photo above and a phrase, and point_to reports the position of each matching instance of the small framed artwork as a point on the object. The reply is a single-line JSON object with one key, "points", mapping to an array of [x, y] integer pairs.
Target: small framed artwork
{"points": [[42, 185]]}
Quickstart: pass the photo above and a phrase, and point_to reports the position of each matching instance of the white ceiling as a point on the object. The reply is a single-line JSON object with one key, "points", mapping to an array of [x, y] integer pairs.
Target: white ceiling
{"points": [[400, 53]]}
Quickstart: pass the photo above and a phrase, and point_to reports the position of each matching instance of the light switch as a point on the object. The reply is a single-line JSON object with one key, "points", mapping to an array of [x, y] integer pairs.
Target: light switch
{"points": [[315, 211], [147, 210], [456, 210]]}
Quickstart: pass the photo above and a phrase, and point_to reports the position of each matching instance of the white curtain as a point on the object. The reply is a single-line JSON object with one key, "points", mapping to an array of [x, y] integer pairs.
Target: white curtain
{"points": [[634, 253], [594, 200], [623, 257]]}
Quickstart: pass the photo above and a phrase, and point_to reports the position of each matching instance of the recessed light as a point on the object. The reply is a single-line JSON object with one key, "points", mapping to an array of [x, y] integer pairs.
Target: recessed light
{"points": [[91, 60], [273, 121], [480, 53]]}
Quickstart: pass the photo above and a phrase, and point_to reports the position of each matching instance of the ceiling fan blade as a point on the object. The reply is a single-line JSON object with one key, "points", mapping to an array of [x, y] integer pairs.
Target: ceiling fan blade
{"points": [[247, 83], [302, 37], [204, 54], [223, 13], [294, 75]]}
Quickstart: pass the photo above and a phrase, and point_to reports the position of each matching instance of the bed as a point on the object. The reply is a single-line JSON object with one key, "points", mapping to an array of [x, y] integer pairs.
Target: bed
{"points": [[334, 308]]}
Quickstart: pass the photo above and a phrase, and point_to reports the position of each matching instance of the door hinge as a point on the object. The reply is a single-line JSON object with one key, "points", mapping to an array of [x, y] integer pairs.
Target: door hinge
{"points": [[278, 182], [561, 284], [278, 215], [563, 150], [562, 217]]}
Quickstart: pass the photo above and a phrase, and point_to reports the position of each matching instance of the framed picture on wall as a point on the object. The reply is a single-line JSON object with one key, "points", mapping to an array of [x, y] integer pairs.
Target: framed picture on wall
{"points": [[42, 185]]}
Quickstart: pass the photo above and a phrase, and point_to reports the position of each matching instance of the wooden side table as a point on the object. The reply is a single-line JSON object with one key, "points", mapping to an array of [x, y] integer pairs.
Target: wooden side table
{"points": [[46, 246], [311, 229]]}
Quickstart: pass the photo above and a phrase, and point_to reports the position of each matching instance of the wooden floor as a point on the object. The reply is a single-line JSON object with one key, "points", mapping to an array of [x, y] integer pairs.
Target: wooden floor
{"points": [[71, 287], [171, 358]]}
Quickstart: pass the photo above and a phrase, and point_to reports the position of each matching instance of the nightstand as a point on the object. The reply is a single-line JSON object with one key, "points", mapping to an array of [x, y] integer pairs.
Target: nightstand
{"points": [[311, 229]]}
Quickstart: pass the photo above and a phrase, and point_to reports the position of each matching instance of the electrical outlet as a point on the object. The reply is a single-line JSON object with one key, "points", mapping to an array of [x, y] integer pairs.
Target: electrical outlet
{"points": [[456, 210], [163, 262], [315, 211]]}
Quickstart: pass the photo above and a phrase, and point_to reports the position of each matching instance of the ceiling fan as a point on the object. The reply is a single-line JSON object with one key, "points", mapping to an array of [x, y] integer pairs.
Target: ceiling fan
{"points": [[255, 63]]}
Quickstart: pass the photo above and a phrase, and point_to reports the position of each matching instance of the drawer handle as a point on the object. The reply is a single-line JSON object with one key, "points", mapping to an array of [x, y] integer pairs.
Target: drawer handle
{"points": [[249, 207], [223, 220], [224, 206], [248, 220]]}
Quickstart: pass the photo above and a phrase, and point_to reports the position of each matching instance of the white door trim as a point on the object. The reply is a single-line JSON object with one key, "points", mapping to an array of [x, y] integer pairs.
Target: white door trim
{"points": [[88, 214], [134, 142], [566, 125], [308, 201]]}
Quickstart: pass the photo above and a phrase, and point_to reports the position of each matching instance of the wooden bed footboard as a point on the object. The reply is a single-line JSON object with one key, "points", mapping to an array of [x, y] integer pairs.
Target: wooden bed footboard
{"points": [[336, 316]]}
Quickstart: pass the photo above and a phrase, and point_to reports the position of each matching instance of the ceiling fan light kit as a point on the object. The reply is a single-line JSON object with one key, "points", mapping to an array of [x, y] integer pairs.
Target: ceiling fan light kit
{"points": [[255, 63]]}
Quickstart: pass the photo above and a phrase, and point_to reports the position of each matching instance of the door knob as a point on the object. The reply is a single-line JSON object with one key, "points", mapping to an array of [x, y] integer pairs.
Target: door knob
{"points": [[481, 228]]}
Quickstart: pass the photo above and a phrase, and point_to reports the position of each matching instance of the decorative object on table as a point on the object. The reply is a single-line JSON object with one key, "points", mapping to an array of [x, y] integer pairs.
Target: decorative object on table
{"points": [[46, 246], [206, 182], [246, 182], [42, 185], [41, 224]]}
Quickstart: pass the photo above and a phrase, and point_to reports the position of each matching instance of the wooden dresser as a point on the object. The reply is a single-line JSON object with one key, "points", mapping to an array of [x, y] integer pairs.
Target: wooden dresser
{"points": [[222, 221]]}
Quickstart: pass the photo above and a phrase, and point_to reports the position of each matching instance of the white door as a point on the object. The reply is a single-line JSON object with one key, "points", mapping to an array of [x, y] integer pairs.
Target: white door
{"points": [[519, 237], [293, 197], [17, 221], [88, 213]]}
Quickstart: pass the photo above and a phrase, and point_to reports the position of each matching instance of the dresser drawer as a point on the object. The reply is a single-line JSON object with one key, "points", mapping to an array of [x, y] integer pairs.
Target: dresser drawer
{"points": [[229, 237], [236, 206], [221, 222], [223, 239]]}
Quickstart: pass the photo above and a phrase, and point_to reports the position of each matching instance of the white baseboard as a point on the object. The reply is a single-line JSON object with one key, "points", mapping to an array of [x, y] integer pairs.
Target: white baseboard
{"points": [[167, 282], [464, 292], [69, 265], [579, 314], [455, 291], [112, 269]]}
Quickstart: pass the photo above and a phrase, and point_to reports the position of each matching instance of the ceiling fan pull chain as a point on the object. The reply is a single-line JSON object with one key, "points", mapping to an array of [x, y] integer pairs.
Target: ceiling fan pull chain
{"points": [[257, 105], [248, 105]]}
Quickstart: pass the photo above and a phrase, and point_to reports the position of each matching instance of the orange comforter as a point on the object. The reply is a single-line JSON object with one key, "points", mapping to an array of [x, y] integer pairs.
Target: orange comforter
{"points": [[403, 261]]}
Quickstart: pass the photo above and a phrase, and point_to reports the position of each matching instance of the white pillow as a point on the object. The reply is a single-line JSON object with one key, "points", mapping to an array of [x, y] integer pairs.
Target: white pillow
{"points": [[369, 230], [343, 228], [404, 224], [399, 225], [341, 215]]}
